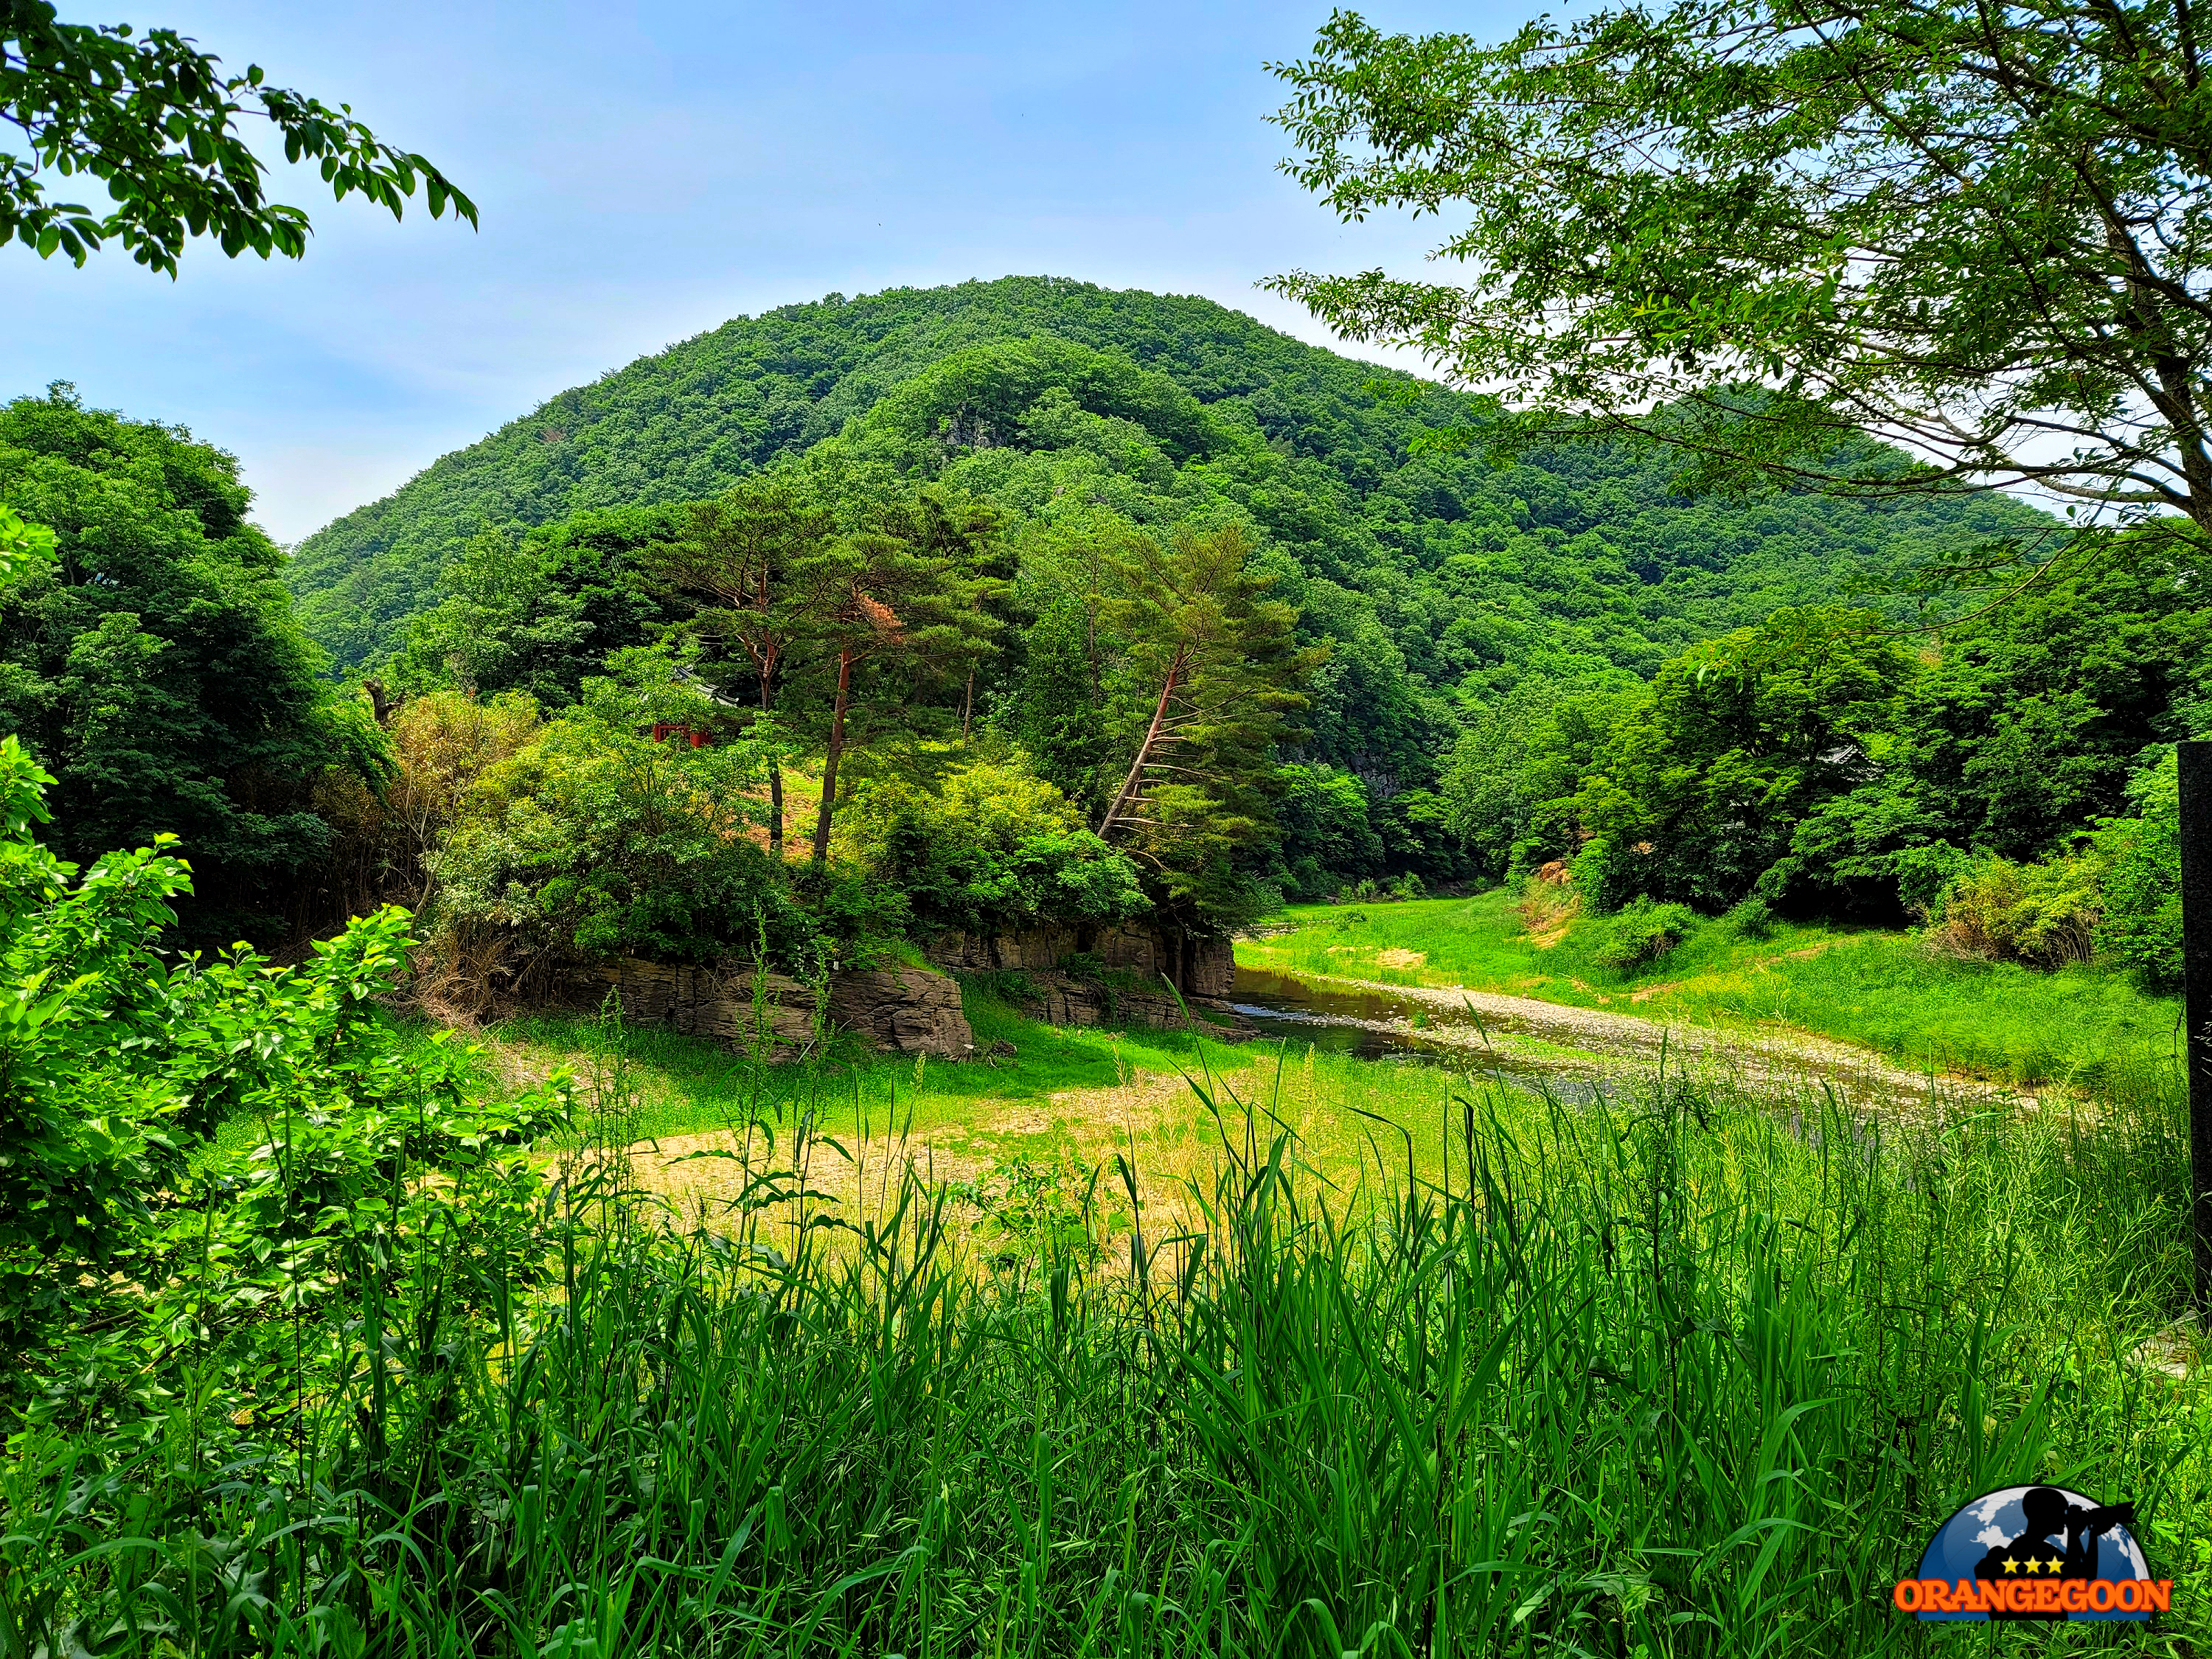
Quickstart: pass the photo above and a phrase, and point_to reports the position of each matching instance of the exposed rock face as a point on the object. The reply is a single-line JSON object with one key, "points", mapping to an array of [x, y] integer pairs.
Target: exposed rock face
{"points": [[914, 1011], [1140, 964], [1197, 967], [1059, 998], [1209, 968], [712, 1002], [909, 1011]]}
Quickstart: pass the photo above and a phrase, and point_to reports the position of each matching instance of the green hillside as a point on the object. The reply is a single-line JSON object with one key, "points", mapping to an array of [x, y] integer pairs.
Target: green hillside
{"points": [[1166, 407]]}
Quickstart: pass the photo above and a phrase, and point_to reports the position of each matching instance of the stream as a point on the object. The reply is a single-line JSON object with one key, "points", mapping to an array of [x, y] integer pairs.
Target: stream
{"points": [[1372, 1024], [1567, 1049]]}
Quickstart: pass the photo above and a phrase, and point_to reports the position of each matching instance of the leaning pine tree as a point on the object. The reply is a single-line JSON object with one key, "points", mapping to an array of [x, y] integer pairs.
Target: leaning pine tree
{"points": [[1210, 671]]}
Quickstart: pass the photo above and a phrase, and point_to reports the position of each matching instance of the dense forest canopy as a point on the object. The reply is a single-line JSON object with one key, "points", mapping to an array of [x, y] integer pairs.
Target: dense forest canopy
{"points": [[154, 664], [1182, 602], [1715, 699], [1575, 562]]}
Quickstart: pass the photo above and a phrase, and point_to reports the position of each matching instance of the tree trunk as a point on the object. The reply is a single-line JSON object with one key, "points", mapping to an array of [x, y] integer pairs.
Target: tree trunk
{"points": [[830, 761], [1129, 785], [774, 790], [967, 706]]}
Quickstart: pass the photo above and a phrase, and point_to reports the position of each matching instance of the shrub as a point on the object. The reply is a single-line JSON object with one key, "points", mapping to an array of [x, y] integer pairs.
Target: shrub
{"points": [[2141, 927], [2044, 914], [593, 838], [1642, 933], [991, 849], [120, 1213], [442, 742], [1040, 1209], [1604, 874], [1753, 919]]}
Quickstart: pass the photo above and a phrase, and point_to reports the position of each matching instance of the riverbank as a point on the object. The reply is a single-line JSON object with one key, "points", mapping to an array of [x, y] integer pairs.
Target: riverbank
{"points": [[1881, 993], [1522, 1038]]}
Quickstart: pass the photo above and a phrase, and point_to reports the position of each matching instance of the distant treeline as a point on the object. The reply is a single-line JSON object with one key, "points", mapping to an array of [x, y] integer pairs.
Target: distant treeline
{"points": [[1082, 605]]}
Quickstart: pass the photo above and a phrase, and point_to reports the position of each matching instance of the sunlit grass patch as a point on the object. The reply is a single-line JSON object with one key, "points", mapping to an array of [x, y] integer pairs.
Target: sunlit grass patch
{"points": [[1459, 1369], [1881, 989]]}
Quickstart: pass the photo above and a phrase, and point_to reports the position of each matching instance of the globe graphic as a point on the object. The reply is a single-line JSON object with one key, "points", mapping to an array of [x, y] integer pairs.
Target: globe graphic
{"points": [[1996, 1518]]}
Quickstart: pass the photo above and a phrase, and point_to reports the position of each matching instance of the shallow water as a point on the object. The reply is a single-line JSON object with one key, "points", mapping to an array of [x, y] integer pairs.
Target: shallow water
{"points": [[1373, 1024], [1369, 1026]]}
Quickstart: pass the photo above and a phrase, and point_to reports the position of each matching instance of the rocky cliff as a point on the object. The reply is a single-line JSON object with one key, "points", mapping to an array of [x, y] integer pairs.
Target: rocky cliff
{"points": [[908, 1011], [1199, 968]]}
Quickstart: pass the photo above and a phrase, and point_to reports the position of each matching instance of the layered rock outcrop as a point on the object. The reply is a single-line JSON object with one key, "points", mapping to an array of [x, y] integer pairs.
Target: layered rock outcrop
{"points": [[1119, 976], [1204, 968], [1104, 976], [908, 1011]]}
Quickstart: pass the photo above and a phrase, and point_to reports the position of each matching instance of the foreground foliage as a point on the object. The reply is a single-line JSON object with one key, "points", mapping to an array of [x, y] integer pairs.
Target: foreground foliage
{"points": [[1680, 1372], [1765, 232], [156, 121]]}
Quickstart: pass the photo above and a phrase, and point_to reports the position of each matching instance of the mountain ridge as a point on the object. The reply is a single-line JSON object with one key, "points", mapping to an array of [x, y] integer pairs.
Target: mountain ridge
{"points": [[773, 420], [1573, 561]]}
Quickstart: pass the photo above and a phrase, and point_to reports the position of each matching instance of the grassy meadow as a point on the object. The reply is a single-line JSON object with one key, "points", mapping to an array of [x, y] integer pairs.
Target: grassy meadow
{"points": [[1064, 1098], [1142, 1345], [1881, 989]]}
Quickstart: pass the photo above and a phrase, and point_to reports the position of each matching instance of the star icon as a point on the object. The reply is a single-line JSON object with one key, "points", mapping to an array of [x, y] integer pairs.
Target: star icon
{"points": [[2011, 1565]]}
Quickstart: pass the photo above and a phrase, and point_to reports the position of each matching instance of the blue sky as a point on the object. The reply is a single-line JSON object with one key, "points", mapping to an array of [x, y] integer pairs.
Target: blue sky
{"points": [[647, 171]]}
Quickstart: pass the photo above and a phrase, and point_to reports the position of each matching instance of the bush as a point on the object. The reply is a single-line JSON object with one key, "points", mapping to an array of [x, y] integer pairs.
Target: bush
{"points": [[991, 849], [1039, 1209], [127, 1229], [1753, 919], [2141, 927], [2044, 914], [1642, 933], [594, 839]]}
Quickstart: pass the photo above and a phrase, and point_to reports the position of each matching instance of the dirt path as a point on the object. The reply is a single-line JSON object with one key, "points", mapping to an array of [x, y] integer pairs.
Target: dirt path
{"points": [[1758, 1057]]}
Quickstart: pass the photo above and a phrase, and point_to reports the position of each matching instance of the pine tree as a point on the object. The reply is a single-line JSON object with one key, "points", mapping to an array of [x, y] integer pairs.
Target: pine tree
{"points": [[1211, 673], [738, 552], [869, 600]]}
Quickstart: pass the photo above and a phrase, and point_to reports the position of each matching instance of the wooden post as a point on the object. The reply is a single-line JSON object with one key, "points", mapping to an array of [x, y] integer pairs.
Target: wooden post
{"points": [[2196, 999]]}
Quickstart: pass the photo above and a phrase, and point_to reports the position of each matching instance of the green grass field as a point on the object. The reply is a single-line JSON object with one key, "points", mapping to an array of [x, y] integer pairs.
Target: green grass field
{"points": [[1878, 988], [1682, 1374], [1065, 1094]]}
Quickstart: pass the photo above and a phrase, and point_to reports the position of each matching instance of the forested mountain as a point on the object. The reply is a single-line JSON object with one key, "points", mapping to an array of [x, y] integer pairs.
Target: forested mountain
{"points": [[1170, 406]]}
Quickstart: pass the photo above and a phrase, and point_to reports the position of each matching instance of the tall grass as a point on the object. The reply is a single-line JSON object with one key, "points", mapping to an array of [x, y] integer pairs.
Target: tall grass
{"points": [[1883, 989], [1682, 1373]]}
